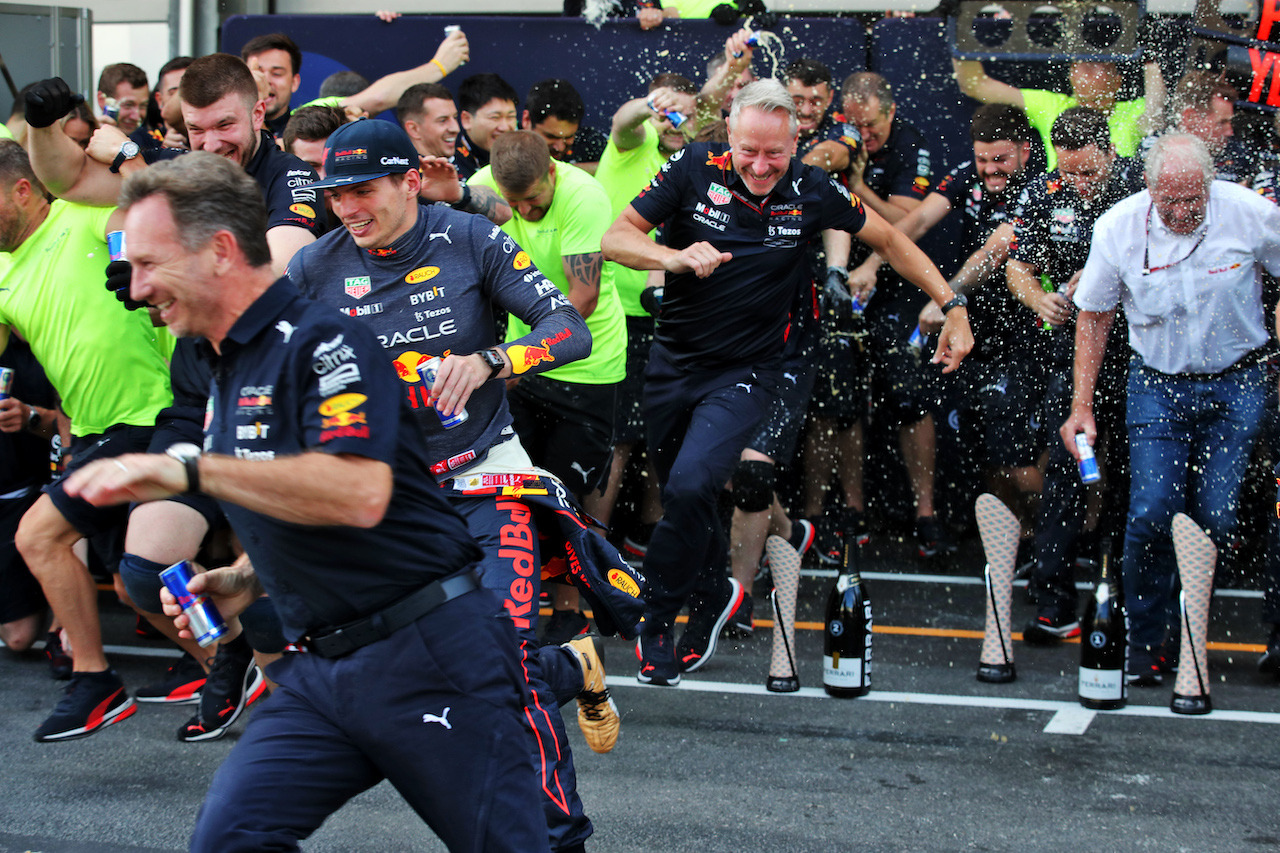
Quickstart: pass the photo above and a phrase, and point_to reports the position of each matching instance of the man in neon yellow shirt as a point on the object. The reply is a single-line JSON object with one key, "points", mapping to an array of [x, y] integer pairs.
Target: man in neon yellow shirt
{"points": [[565, 415], [111, 369], [1093, 84]]}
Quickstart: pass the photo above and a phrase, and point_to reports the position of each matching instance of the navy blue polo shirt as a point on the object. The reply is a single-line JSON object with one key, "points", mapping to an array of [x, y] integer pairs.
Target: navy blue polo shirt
{"points": [[1053, 229], [740, 313], [296, 376], [833, 128], [1000, 323]]}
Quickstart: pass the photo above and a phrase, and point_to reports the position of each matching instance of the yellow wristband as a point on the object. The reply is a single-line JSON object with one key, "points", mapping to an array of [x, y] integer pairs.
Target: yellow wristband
{"points": [[444, 72]]}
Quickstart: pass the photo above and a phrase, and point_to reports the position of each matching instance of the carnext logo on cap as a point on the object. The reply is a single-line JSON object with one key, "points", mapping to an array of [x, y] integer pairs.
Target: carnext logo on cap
{"points": [[351, 155], [395, 161]]}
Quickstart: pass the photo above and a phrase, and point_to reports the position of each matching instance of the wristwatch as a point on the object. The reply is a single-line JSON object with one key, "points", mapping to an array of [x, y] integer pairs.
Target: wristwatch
{"points": [[33, 420], [957, 301], [128, 150], [493, 358], [189, 455]]}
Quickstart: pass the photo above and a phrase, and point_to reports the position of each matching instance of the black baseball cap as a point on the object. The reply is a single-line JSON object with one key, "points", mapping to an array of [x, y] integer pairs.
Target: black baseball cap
{"points": [[363, 150]]}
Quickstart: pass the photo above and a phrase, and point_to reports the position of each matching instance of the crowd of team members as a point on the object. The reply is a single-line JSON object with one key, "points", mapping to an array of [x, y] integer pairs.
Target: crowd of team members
{"points": [[857, 339]]}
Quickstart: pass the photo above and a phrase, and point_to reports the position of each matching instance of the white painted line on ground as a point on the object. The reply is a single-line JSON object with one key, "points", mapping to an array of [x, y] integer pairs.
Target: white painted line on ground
{"points": [[1054, 707], [965, 580], [1070, 721]]}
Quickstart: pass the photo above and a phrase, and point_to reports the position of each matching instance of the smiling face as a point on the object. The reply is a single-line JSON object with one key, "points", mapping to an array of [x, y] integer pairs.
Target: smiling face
{"points": [[556, 132], [165, 274], [998, 162], [228, 127], [489, 122], [1212, 126], [811, 104], [436, 133], [376, 213], [282, 81], [132, 102], [763, 145]]}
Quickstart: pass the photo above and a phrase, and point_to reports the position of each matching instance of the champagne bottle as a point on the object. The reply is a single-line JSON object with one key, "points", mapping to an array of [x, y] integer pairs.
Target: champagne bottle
{"points": [[1104, 645], [846, 647]]}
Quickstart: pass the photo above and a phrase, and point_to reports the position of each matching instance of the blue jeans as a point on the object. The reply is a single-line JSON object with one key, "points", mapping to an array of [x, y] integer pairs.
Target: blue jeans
{"points": [[1189, 444]]}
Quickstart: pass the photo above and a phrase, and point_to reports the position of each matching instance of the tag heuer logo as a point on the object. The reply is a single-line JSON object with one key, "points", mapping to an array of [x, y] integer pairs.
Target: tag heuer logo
{"points": [[718, 194], [358, 286]]}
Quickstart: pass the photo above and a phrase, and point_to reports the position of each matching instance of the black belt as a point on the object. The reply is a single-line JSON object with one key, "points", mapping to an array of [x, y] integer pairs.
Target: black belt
{"points": [[345, 639]]}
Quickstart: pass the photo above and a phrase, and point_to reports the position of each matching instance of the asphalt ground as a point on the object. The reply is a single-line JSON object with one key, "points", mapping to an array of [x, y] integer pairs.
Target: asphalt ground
{"points": [[930, 760]]}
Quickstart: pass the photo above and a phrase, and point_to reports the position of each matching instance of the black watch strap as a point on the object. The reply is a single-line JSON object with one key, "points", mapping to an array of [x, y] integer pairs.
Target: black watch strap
{"points": [[957, 301], [189, 455], [493, 358]]}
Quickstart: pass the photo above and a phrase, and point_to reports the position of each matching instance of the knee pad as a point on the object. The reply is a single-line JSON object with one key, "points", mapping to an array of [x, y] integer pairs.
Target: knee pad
{"points": [[142, 581], [262, 627], [753, 485]]}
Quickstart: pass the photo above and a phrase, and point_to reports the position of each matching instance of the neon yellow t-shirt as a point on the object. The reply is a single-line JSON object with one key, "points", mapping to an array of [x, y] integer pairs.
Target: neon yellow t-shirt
{"points": [[334, 101], [109, 365], [1043, 107], [692, 8], [4, 132], [623, 174], [573, 225]]}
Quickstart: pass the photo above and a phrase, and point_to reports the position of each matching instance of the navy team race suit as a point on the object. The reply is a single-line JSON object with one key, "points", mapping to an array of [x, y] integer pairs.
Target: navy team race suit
{"points": [[716, 361], [433, 292]]}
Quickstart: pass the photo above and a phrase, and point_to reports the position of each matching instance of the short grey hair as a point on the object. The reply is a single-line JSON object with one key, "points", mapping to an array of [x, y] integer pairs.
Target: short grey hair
{"points": [[206, 194], [1183, 148], [767, 95]]}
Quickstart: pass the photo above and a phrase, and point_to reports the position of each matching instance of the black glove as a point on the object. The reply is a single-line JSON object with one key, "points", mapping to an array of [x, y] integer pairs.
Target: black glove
{"points": [[835, 292], [50, 100], [651, 299], [119, 277], [726, 14]]}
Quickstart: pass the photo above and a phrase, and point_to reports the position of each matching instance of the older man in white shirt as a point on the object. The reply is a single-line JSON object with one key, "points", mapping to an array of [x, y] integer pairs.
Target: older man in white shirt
{"points": [[1185, 259]]}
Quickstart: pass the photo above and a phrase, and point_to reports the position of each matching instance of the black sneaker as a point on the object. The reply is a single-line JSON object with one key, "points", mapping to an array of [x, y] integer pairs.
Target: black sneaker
{"points": [[852, 519], [1045, 630], [742, 625], [1143, 668], [145, 630], [929, 536], [181, 685], [698, 643], [234, 683], [59, 661], [563, 626], [92, 701], [828, 544], [802, 535], [657, 659], [636, 545]]}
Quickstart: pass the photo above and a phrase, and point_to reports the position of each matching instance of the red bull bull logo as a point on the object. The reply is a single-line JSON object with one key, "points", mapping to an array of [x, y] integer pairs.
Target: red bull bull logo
{"points": [[407, 364], [523, 357], [344, 419]]}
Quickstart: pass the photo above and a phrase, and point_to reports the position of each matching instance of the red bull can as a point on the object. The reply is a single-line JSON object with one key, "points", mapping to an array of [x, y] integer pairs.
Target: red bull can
{"points": [[1089, 472], [676, 117], [428, 370], [6, 382], [206, 622], [115, 246]]}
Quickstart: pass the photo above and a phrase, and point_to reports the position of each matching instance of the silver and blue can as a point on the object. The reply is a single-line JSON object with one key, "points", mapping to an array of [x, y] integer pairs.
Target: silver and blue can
{"points": [[206, 622], [428, 370], [115, 246], [6, 382], [859, 305], [676, 117], [916, 341], [1089, 472]]}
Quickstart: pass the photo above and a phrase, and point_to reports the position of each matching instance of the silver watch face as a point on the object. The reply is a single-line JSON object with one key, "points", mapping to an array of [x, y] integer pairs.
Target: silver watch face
{"points": [[183, 450], [129, 150]]}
